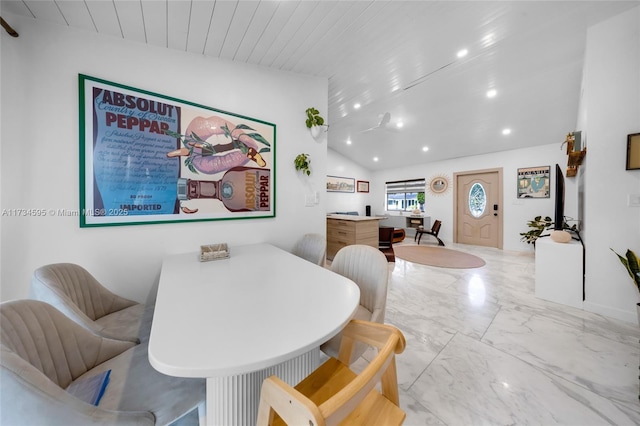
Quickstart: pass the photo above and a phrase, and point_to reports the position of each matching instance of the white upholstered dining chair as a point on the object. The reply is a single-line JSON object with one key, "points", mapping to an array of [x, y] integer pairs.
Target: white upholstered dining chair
{"points": [[311, 247], [78, 295], [44, 355], [369, 269]]}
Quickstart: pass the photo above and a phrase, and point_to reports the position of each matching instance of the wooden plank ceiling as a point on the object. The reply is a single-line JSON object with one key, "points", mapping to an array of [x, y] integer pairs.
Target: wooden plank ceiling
{"points": [[398, 57]]}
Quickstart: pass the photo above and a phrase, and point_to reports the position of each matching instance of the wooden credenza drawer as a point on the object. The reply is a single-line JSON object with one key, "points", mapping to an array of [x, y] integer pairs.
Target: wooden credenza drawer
{"points": [[344, 232], [347, 235]]}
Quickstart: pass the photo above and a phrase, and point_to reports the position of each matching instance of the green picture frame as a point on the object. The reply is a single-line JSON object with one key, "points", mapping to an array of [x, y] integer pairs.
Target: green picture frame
{"points": [[146, 158]]}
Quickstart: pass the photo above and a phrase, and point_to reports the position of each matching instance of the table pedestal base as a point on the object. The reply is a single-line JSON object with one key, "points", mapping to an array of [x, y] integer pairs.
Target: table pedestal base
{"points": [[234, 400]]}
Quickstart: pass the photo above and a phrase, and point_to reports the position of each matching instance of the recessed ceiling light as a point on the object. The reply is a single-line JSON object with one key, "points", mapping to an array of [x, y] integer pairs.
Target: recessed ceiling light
{"points": [[425, 148], [462, 53], [506, 131], [375, 158], [348, 141], [356, 106], [492, 93], [399, 124]]}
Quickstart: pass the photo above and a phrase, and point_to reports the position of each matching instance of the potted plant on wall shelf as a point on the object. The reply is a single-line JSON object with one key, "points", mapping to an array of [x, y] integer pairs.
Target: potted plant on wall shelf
{"points": [[302, 162], [314, 121]]}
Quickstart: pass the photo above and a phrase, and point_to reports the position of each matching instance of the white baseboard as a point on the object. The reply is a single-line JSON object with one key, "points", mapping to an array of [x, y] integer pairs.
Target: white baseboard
{"points": [[627, 316]]}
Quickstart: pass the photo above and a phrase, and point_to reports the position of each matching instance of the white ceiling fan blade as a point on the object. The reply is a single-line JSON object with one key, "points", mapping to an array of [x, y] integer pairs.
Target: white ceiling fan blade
{"points": [[382, 125], [386, 118]]}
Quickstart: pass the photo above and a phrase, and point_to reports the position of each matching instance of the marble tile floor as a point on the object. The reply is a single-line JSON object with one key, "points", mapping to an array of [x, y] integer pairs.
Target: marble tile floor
{"points": [[483, 350]]}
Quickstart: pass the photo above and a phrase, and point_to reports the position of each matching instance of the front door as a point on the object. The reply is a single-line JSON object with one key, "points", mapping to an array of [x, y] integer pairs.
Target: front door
{"points": [[478, 208]]}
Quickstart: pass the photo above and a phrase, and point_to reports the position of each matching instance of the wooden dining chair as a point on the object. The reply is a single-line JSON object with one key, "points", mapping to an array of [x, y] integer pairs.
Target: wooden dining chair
{"points": [[333, 394]]}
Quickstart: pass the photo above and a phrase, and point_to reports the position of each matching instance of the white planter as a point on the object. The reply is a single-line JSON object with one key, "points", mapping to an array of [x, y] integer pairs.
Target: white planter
{"points": [[316, 131]]}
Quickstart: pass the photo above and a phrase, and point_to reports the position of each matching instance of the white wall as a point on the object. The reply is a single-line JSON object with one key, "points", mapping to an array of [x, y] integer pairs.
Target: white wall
{"points": [[517, 212], [40, 152], [612, 104], [338, 165], [609, 110]]}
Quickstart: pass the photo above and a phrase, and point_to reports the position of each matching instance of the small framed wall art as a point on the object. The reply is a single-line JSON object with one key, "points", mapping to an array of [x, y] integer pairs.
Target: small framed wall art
{"points": [[533, 182], [340, 184], [363, 186], [633, 151]]}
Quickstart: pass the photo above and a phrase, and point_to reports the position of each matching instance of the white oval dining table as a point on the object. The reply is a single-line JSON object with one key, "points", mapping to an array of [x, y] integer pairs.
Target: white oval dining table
{"points": [[236, 321]]}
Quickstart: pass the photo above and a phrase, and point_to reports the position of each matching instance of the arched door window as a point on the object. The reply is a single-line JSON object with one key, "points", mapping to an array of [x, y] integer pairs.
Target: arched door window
{"points": [[477, 200]]}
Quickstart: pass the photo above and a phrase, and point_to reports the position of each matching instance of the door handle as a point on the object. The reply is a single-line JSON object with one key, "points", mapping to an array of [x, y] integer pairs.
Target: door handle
{"points": [[495, 210]]}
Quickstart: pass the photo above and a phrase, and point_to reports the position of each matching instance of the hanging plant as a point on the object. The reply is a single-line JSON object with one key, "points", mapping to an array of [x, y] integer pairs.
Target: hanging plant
{"points": [[302, 162], [314, 118]]}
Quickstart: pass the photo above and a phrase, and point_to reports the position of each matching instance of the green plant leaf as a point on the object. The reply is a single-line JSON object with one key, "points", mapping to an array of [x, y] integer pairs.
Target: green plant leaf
{"points": [[258, 137], [240, 145], [243, 127], [226, 130], [197, 138], [634, 267], [630, 262]]}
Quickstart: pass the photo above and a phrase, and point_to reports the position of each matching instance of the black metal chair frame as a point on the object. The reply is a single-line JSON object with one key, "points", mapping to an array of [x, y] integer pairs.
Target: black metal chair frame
{"points": [[435, 229]]}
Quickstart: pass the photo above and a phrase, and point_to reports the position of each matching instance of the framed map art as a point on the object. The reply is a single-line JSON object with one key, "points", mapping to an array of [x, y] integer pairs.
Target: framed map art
{"points": [[533, 182]]}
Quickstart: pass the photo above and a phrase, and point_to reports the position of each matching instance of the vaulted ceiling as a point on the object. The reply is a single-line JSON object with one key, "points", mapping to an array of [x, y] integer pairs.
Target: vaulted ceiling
{"points": [[395, 57]]}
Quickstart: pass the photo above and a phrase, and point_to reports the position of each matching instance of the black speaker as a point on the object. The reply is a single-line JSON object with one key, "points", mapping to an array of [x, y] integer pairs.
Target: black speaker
{"points": [[367, 210]]}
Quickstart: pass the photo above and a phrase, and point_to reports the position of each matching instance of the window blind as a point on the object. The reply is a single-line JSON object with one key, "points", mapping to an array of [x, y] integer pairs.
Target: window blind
{"points": [[404, 186]]}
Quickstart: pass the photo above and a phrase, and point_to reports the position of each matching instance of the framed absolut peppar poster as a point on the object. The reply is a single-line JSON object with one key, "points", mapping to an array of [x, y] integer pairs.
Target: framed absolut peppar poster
{"points": [[147, 158]]}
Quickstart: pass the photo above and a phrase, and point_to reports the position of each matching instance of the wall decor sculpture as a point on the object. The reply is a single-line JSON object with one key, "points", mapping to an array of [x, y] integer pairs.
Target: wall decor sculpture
{"points": [[439, 184], [147, 158], [575, 151]]}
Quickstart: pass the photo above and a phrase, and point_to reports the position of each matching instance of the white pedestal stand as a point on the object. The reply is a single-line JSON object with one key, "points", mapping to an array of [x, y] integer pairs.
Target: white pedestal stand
{"points": [[559, 271]]}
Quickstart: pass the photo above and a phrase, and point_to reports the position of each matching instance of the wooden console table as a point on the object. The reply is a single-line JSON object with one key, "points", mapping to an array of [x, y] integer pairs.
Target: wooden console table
{"points": [[408, 223], [344, 230]]}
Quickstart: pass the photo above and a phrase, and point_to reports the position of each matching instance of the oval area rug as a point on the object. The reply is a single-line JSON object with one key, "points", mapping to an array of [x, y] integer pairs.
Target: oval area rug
{"points": [[437, 256]]}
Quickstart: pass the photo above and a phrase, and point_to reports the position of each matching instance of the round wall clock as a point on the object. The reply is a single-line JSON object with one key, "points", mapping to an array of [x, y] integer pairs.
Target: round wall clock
{"points": [[439, 184]]}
